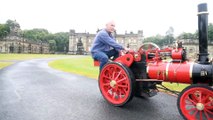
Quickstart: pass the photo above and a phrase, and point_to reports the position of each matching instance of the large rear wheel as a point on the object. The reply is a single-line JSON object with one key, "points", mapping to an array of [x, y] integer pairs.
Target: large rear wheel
{"points": [[117, 83], [195, 102]]}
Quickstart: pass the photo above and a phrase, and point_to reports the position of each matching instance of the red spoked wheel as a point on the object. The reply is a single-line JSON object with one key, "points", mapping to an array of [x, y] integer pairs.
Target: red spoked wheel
{"points": [[117, 83], [195, 102]]}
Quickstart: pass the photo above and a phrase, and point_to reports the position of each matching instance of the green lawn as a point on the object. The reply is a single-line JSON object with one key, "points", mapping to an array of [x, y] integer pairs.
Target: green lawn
{"points": [[175, 86], [82, 66], [5, 64]]}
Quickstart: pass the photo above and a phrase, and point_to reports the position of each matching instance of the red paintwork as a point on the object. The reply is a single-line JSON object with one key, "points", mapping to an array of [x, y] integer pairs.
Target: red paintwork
{"points": [[177, 54], [170, 71], [177, 71], [126, 59], [96, 63], [158, 69]]}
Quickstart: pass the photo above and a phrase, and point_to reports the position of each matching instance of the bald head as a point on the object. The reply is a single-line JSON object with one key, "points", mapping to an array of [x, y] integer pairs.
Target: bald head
{"points": [[110, 26]]}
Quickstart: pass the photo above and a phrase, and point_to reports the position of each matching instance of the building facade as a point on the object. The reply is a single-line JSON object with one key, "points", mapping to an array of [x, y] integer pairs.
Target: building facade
{"points": [[15, 43], [192, 48], [131, 40]]}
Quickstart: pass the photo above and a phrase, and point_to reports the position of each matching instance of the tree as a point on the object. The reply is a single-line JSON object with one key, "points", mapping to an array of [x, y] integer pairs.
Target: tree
{"points": [[185, 35], [194, 36], [158, 39], [36, 34], [62, 41], [4, 30], [10, 23], [14, 27], [58, 41], [170, 35], [210, 32]]}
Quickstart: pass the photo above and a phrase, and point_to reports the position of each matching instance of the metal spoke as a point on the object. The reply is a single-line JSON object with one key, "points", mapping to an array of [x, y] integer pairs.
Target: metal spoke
{"points": [[114, 95], [106, 80], [190, 104], [194, 114], [106, 84], [207, 116], [200, 97], [209, 111], [205, 98], [109, 70], [209, 107], [107, 77], [124, 92], [118, 92], [121, 80], [123, 86], [194, 97], [191, 101], [113, 75], [118, 75], [192, 109], [108, 92], [200, 115], [206, 104]]}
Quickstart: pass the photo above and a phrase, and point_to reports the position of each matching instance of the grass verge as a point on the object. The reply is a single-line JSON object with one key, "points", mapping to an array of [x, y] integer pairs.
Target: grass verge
{"points": [[5, 64], [82, 66], [175, 86]]}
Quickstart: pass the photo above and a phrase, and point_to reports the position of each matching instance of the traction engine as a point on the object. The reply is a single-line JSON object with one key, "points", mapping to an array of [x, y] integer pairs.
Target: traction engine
{"points": [[140, 73]]}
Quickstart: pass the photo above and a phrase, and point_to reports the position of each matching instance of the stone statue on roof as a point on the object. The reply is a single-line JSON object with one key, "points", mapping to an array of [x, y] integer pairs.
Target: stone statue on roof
{"points": [[14, 28]]}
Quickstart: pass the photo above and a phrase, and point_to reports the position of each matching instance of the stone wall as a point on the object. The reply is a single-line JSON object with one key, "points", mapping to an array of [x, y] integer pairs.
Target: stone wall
{"points": [[15, 44], [193, 49]]}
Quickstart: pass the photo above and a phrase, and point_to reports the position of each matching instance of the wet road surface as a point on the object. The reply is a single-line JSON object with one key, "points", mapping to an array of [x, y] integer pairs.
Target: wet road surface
{"points": [[30, 90]]}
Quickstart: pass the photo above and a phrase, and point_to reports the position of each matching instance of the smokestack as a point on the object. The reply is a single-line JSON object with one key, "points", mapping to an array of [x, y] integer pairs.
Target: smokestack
{"points": [[203, 33]]}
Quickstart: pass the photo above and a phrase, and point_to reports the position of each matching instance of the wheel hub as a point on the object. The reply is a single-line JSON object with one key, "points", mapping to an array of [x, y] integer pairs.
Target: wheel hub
{"points": [[113, 83], [200, 106]]}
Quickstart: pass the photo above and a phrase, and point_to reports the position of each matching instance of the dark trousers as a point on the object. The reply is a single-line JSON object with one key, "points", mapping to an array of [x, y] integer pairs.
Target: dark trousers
{"points": [[103, 57]]}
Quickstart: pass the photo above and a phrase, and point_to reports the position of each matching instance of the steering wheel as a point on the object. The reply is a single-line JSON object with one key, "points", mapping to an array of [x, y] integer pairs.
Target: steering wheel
{"points": [[148, 46]]}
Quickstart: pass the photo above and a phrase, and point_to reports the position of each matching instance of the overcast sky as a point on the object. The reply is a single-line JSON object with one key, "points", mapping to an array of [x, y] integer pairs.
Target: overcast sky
{"points": [[152, 16]]}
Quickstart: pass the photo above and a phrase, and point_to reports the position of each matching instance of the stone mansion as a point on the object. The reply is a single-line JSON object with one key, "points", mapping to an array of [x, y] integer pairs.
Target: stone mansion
{"points": [[131, 40]]}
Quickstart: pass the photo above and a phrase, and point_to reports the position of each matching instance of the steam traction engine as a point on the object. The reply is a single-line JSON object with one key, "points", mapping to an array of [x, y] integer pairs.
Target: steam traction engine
{"points": [[139, 73]]}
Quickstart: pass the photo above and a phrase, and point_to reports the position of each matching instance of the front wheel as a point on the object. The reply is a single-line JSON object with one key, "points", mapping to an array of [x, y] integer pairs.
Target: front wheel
{"points": [[195, 102], [117, 83]]}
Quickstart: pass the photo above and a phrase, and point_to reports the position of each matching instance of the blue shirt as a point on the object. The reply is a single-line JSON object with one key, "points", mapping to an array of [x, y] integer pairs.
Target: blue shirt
{"points": [[104, 41]]}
